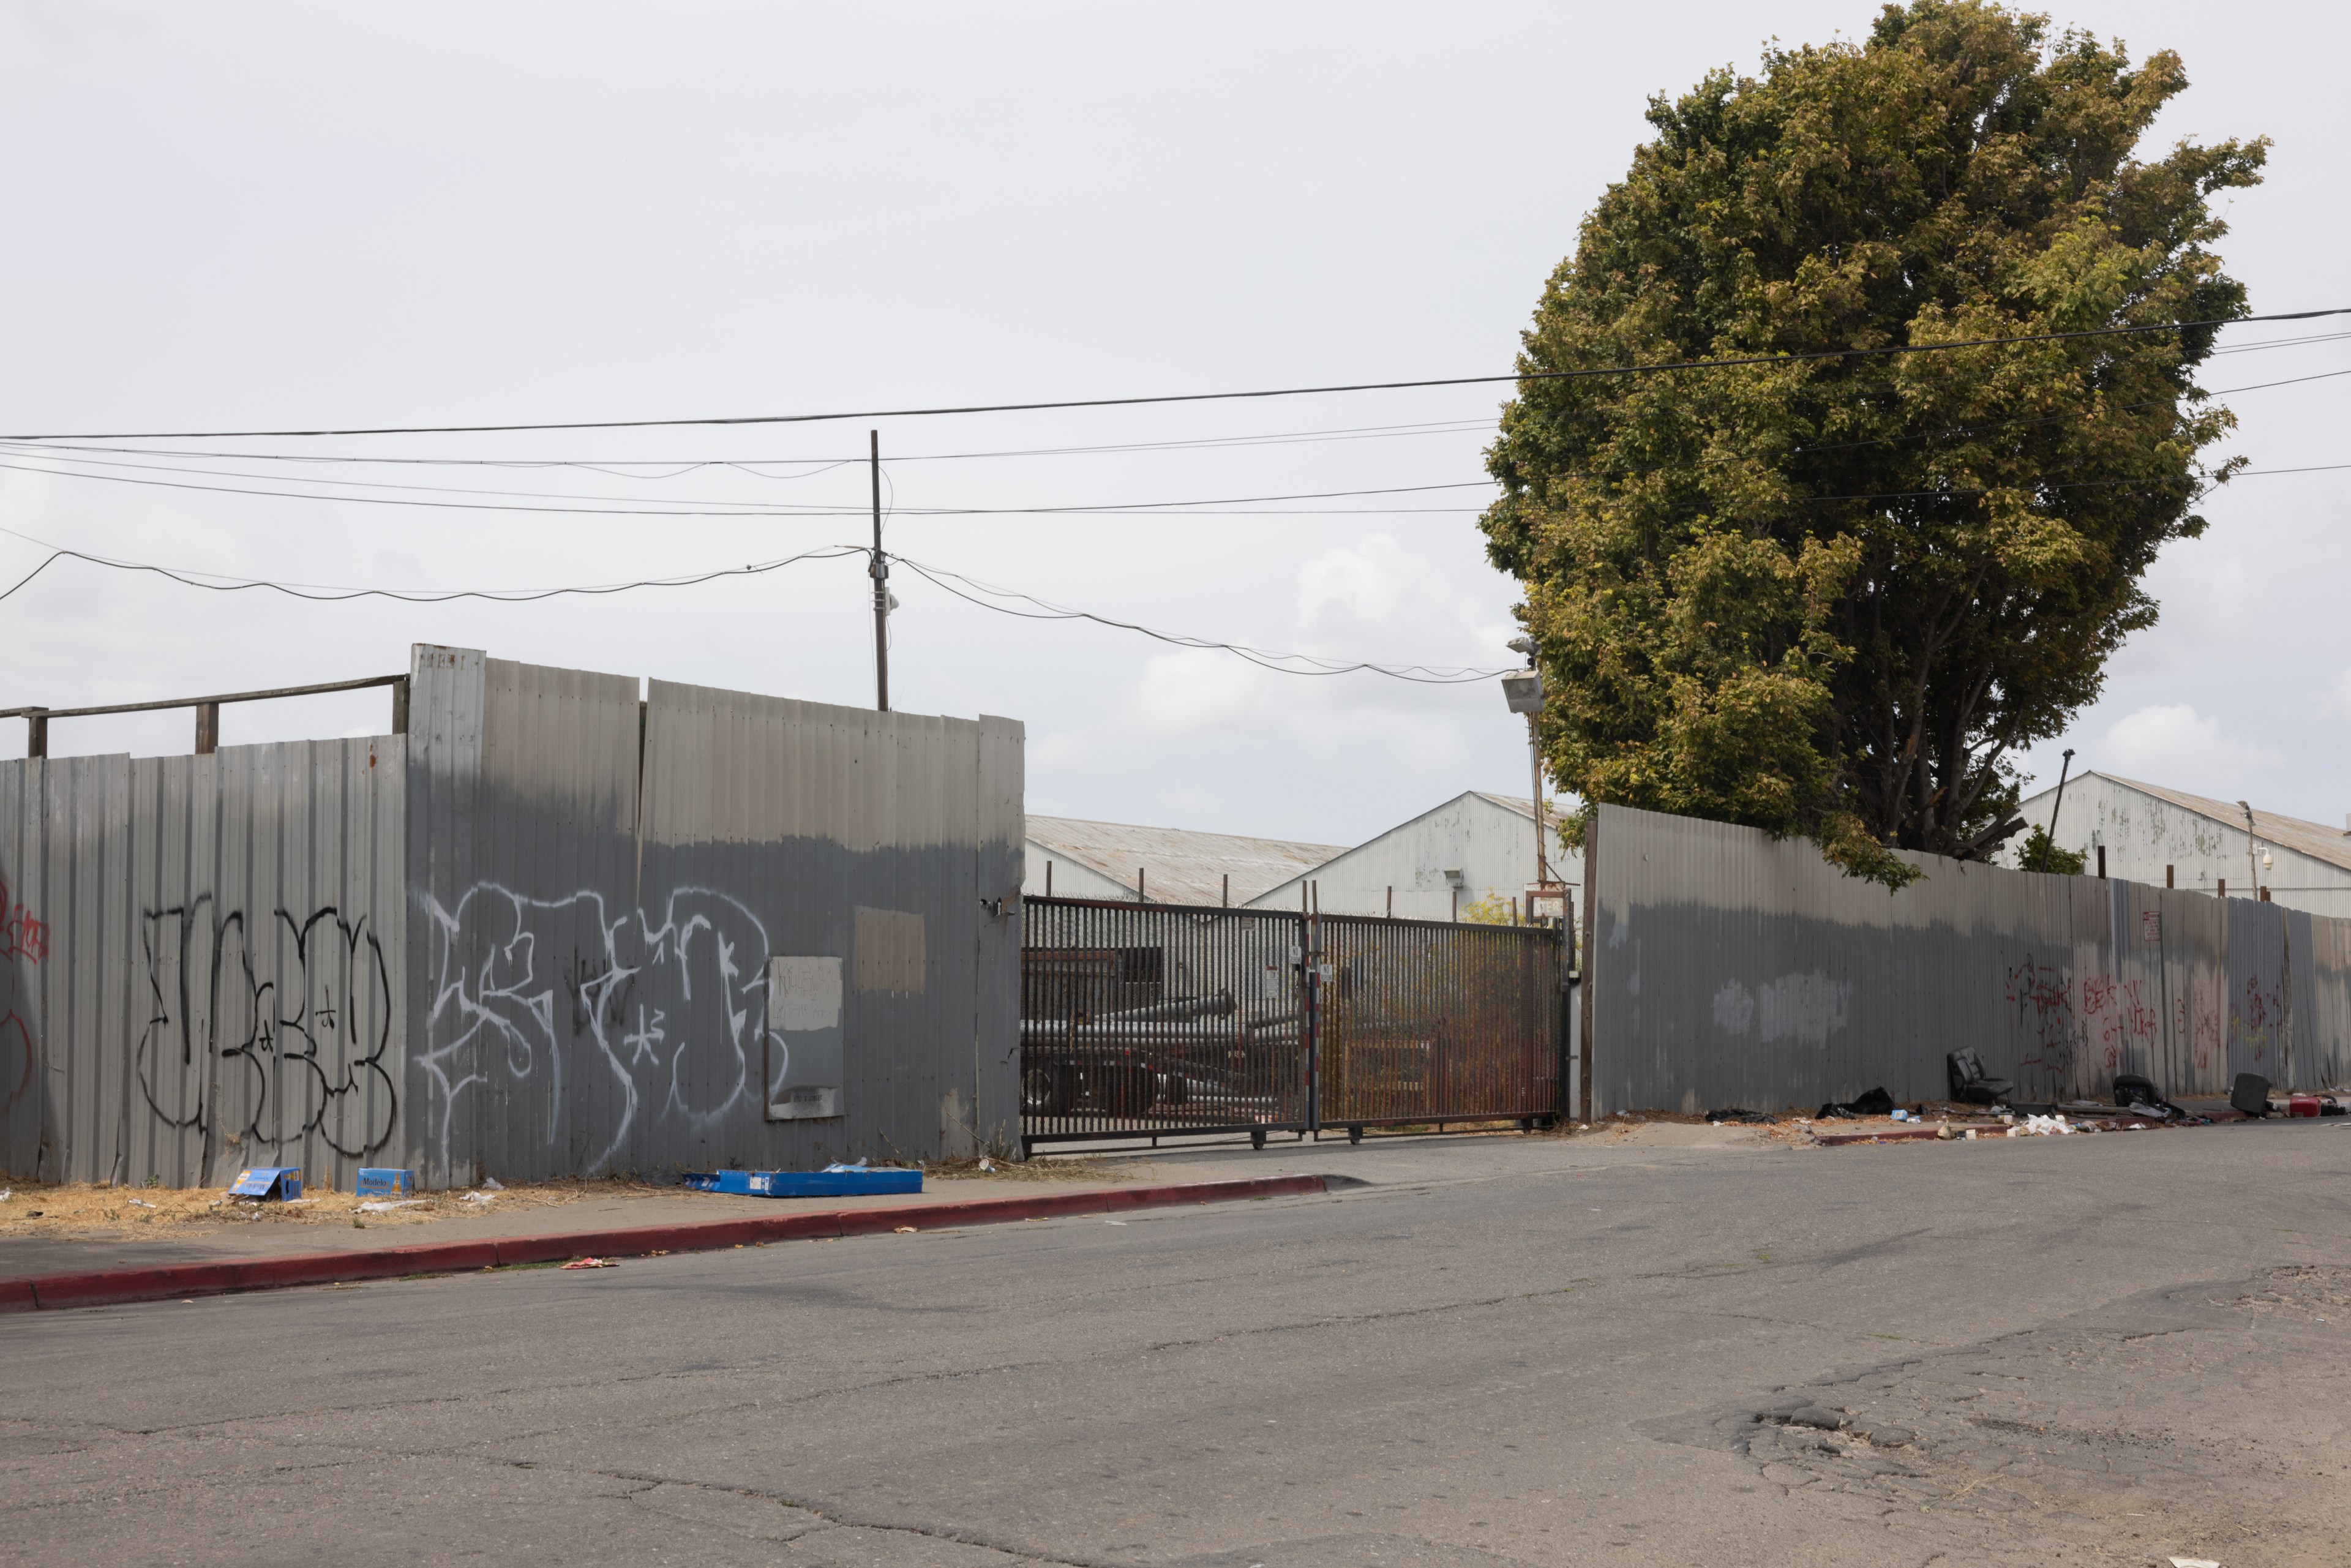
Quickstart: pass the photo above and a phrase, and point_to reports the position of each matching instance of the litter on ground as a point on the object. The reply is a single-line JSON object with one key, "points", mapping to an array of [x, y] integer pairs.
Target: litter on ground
{"points": [[591, 1263]]}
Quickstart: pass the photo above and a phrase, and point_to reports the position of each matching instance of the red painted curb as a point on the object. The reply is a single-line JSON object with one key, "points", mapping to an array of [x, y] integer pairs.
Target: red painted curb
{"points": [[107, 1287], [111, 1286]]}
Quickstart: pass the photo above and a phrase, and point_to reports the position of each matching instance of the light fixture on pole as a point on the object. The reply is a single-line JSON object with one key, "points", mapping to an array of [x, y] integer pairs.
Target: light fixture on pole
{"points": [[1523, 690]]}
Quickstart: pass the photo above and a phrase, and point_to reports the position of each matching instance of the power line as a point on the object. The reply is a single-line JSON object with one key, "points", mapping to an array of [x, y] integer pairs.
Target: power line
{"points": [[223, 583], [626, 506], [739, 508], [618, 466], [1283, 663], [1520, 377]]}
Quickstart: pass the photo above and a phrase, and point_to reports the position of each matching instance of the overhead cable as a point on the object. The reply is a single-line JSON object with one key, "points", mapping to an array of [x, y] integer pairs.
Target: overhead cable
{"points": [[1520, 377], [219, 582], [988, 598]]}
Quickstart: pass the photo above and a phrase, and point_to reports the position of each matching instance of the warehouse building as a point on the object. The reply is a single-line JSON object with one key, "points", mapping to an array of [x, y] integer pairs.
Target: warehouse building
{"points": [[2170, 838], [1472, 856]]}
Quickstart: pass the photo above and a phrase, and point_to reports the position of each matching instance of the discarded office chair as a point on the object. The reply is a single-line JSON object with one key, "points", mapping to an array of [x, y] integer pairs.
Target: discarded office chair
{"points": [[2135, 1088], [1970, 1083], [2252, 1094]]}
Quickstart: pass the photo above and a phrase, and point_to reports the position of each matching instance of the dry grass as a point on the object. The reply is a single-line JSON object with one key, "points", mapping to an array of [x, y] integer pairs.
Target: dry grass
{"points": [[1058, 1167], [82, 1208]]}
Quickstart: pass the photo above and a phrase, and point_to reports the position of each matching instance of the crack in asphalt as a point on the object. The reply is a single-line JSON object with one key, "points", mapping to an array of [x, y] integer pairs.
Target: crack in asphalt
{"points": [[831, 1517]]}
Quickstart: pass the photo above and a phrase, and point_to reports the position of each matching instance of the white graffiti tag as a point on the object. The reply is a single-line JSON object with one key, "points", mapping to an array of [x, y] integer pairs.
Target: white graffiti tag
{"points": [[667, 1011]]}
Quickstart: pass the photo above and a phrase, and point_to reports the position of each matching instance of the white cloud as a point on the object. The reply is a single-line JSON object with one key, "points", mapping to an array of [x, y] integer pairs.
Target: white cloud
{"points": [[1375, 600], [2337, 701], [1195, 690], [2175, 745]]}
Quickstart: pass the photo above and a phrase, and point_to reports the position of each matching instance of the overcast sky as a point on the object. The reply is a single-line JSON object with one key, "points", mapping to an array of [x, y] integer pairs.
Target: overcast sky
{"points": [[250, 216]]}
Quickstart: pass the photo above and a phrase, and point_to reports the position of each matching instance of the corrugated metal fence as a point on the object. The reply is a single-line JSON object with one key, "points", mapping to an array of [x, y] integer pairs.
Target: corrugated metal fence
{"points": [[550, 931], [1729, 969], [204, 957]]}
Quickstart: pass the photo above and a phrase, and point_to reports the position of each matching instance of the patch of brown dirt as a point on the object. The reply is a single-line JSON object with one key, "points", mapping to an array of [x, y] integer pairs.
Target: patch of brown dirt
{"points": [[79, 1209]]}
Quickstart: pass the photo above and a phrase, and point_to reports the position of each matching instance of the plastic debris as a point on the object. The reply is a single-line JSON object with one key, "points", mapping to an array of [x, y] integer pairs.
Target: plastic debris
{"points": [[6, 1193], [140, 1202], [591, 1263], [985, 1164], [2193, 1563], [905, 1230], [475, 1198], [1113, 1222], [388, 1204], [492, 1184]]}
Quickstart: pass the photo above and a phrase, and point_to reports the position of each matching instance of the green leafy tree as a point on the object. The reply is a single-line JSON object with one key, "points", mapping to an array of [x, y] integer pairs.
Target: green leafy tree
{"points": [[2040, 853], [1835, 596]]}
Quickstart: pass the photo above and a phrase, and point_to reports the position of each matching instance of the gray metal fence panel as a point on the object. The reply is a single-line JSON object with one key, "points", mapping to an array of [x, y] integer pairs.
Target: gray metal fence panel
{"points": [[1727, 968], [599, 927], [204, 962]]}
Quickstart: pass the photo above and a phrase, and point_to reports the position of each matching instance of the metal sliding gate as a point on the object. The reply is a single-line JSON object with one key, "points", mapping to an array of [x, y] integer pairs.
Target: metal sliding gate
{"points": [[1149, 1019]]}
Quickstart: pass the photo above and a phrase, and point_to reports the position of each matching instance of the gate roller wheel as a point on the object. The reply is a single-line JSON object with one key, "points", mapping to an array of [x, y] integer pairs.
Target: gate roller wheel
{"points": [[1257, 1137], [1355, 1133]]}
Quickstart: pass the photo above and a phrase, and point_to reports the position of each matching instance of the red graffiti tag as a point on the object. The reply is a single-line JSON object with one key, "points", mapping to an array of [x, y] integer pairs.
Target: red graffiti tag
{"points": [[21, 936]]}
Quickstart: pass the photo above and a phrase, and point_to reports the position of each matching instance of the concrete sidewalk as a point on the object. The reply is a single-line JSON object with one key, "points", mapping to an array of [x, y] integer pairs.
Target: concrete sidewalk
{"points": [[25, 1256]]}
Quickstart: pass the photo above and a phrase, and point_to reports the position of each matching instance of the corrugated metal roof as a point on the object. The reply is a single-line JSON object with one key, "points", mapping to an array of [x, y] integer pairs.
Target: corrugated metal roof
{"points": [[1179, 866], [2315, 840]]}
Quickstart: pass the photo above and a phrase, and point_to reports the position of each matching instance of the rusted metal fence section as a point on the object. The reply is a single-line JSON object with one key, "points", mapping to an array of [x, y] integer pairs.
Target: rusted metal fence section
{"points": [[1151, 1020]]}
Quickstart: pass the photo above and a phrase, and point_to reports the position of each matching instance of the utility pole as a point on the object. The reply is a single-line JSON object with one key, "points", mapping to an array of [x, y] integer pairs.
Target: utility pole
{"points": [[880, 567], [2059, 801], [1524, 692]]}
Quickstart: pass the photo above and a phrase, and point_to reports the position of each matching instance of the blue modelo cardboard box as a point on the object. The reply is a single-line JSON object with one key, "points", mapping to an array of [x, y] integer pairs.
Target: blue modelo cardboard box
{"points": [[268, 1181], [840, 1181]]}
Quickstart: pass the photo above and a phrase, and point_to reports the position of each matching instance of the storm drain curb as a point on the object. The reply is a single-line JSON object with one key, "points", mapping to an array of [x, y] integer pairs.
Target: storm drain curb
{"points": [[114, 1287]]}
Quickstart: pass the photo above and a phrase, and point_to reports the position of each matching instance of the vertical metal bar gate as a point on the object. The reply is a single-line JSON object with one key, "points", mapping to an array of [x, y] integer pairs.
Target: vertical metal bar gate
{"points": [[1147, 1020]]}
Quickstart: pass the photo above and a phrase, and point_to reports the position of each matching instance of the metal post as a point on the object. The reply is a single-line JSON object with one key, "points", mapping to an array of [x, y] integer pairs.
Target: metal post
{"points": [[400, 705], [1226, 901], [1309, 934], [2059, 803], [208, 729], [2252, 866], [1534, 750], [37, 732], [880, 568]]}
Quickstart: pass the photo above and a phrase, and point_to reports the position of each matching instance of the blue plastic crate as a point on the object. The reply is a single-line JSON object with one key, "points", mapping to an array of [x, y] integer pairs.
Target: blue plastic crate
{"points": [[385, 1181], [268, 1181], [839, 1183]]}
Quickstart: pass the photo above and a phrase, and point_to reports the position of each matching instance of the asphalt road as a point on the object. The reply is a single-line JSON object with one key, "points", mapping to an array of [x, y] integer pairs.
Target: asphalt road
{"points": [[2105, 1349]]}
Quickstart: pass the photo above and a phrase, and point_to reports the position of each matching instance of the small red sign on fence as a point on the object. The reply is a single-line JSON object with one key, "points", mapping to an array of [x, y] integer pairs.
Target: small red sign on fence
{"points": [[2150, 928]]}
